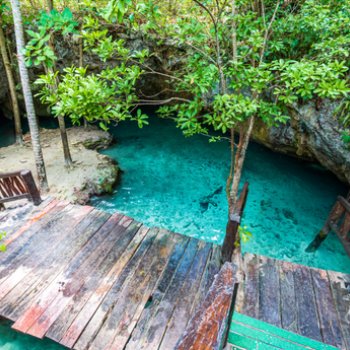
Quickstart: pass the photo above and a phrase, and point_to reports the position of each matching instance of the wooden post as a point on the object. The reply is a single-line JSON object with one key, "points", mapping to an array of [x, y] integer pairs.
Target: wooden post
{"points": [[31, 186], [233, 225], [340, 209]]}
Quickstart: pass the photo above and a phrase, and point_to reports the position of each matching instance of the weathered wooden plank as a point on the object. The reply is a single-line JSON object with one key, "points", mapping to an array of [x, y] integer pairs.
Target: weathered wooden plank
{"points": [[76, 280], [94, 323], [184, 304], [20, 216], [31, 234], [158, 324], [41, 315], [148, 313], [269, 292], [77, 314], [239, 299], [52, 264], [208, 328], [330, 327], [46, 295], [18, 269], [121, 321], [213, 269], [210, 271], [308, 321], [251, 286], [289, 315], [340, 287]]}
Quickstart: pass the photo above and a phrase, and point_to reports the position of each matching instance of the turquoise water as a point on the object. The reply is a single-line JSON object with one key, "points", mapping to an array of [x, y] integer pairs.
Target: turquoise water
{"points": [[11, 340], [177, 183]]}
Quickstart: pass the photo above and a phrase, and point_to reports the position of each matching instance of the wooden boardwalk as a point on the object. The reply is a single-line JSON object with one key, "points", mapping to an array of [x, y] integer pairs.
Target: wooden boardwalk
{"points": [[90, 280], [310, 302]]}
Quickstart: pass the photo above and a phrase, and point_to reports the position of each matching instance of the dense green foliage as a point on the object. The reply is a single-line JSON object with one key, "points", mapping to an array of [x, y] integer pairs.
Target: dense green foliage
{"points": [[268, 55]]}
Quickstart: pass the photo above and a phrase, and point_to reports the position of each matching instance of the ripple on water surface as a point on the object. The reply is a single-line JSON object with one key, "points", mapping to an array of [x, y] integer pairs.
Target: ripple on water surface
{"points": [[177, 183]]}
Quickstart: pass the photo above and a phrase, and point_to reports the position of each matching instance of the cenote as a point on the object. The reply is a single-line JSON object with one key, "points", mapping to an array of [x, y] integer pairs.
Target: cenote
{"points": [[177, 183]]}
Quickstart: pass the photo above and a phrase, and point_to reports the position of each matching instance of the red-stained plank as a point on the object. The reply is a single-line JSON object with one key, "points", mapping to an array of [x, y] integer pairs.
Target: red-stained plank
{"points": [[51, 264], [67, 328], [38, 318]]}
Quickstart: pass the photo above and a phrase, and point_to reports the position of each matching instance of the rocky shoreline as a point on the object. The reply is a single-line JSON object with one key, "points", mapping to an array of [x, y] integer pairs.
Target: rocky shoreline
{"points": [[92, 174]]}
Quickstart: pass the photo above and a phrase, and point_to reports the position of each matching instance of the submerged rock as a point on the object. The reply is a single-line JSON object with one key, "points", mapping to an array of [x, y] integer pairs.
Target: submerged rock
{"points": [[208, 200]]}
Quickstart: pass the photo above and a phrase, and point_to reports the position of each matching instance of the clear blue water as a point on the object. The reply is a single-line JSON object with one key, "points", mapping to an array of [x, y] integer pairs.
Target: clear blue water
{"points": [[177, 183]]}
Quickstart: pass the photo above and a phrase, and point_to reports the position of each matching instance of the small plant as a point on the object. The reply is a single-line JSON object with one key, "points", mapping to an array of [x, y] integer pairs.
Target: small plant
{"points": [[2, 246], [244, 234]]}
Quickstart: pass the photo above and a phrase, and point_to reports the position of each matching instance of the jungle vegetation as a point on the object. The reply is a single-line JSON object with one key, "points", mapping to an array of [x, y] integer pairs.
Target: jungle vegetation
{"points": [[232, 62]]}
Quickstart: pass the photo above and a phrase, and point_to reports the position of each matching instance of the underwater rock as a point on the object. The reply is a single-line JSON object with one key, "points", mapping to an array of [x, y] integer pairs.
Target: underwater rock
{"points": [[288, 214], [208, 200]]}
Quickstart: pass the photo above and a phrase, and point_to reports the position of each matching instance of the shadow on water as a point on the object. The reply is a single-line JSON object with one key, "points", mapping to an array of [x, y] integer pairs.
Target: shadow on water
{"points": [[7, 133]]}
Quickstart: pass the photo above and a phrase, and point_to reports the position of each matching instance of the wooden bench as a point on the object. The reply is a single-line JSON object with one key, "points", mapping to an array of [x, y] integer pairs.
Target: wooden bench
{"points": [[18, 185], [209, 327]]}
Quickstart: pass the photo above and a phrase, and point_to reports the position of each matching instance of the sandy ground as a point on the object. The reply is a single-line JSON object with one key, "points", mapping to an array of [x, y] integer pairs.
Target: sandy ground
{"points": [[93, 173]]}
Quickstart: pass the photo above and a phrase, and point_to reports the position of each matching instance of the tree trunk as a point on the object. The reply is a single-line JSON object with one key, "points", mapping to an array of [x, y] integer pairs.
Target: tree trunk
{"points": [[66, 151], [12, 87], [81, 63], [28, 97], [240, 157], [49, 5], [62, 125]]}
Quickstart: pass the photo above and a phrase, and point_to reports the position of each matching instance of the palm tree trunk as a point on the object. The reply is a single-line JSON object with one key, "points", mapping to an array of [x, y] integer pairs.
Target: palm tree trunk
{"points": [[28, 97], [12, 87]]}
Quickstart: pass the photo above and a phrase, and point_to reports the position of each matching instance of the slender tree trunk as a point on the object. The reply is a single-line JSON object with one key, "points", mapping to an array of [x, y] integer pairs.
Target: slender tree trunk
{"points": [[49, 5], [61, 122], [66, 151], [64, 137], [81, 63], [28, 97], [240, 158], [12, 87]]}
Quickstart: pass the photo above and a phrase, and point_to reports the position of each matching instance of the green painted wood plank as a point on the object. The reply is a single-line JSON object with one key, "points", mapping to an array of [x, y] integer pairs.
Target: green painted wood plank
{"points": [[254, 325], [241, 342]]}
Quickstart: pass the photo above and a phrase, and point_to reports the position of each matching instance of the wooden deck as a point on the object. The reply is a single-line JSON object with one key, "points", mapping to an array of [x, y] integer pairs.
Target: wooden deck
{"points": [[310, 302], [90, 280]]}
